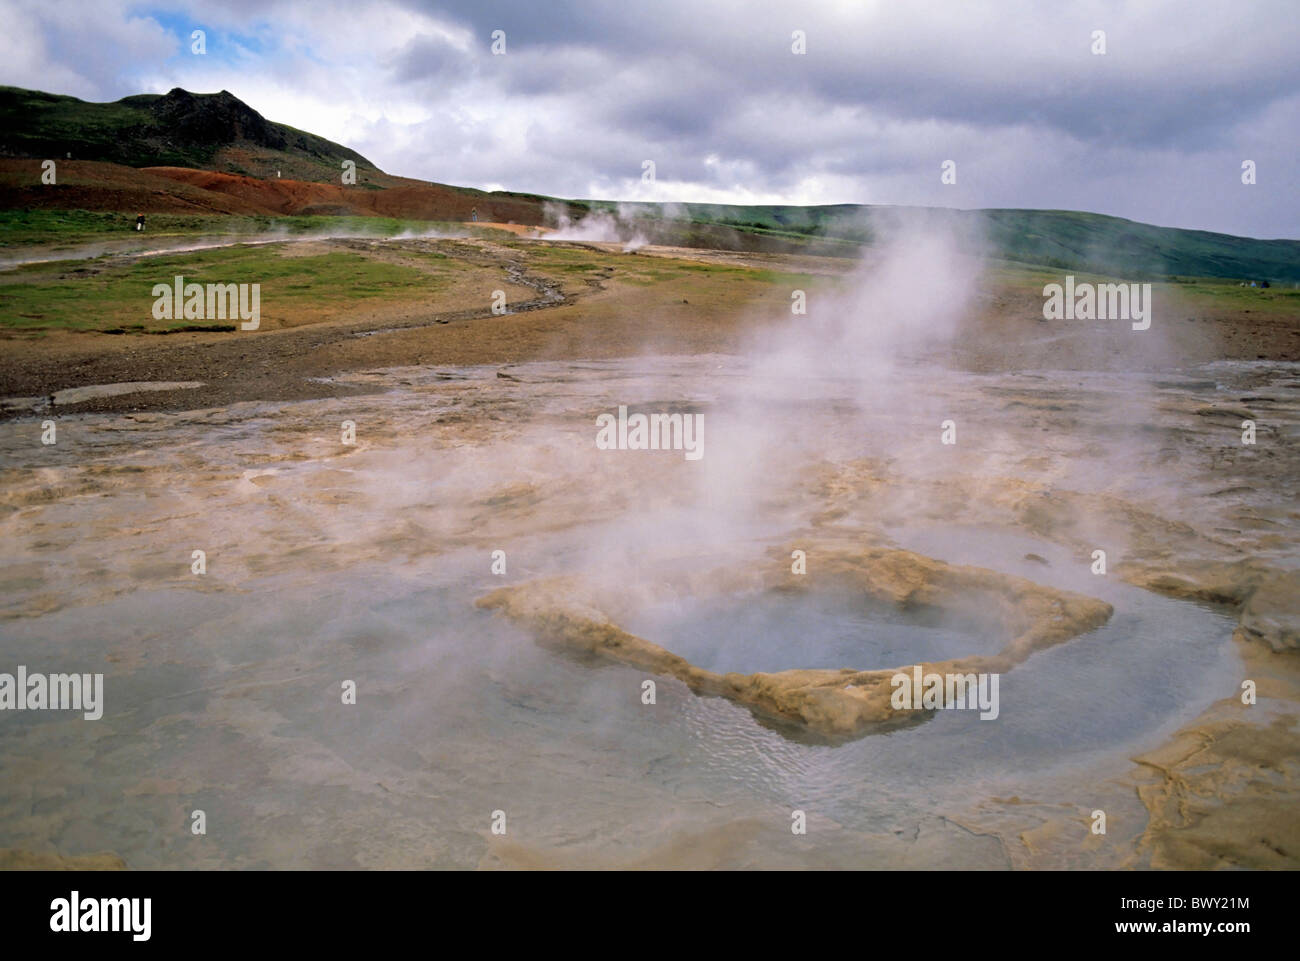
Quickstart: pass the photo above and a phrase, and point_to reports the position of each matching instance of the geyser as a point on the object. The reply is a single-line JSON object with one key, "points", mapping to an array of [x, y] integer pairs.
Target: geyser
{"points": [[582, 615]]}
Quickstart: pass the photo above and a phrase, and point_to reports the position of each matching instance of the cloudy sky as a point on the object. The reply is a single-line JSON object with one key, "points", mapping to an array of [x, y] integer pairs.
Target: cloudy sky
{"points": [[1156, 129]]}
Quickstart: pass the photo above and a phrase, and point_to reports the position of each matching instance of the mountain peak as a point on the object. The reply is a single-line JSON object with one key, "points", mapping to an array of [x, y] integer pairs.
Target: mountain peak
{"points": [[178, 128], [216, 119]]}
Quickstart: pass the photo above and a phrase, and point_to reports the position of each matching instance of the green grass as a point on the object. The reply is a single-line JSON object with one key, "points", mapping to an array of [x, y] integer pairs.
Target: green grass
{"points": [[117, 297], [66, 229], [651, 271], [41, 297], [1207, 292], [1197, 294]]}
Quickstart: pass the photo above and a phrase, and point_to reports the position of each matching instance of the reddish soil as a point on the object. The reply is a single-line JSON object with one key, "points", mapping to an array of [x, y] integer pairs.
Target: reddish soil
{"points": [[91, 185]]}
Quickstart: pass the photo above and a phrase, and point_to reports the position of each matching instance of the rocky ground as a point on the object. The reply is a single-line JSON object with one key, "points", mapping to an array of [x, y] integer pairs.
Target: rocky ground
{"points": [[330, 560]]}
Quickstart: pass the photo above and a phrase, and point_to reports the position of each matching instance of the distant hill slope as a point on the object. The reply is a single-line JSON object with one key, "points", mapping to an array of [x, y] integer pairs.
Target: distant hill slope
{"points": [[1051, 238], [211, 131], [214, 154], [1125, 248]]}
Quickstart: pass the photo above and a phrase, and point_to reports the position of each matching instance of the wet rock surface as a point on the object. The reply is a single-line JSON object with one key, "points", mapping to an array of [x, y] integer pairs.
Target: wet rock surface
{"points": [[834, 704], [328, 561]]}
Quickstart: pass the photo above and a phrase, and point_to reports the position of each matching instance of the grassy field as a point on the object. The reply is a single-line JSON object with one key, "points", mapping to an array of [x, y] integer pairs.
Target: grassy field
{"points": [[668, 303], [331, 306], [1063, 241], [653, 271], [114, 296], [1201, 294], [118, 298], [66, 229]]}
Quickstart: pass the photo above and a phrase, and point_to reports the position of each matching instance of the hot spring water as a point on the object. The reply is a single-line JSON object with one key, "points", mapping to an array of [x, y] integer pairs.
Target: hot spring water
{"points": [[325, 566]]}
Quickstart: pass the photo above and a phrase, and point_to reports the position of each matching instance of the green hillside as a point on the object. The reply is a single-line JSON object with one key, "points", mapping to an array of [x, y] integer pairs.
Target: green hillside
{"points": [[220, 132], [178, 129], [1051, 238]]}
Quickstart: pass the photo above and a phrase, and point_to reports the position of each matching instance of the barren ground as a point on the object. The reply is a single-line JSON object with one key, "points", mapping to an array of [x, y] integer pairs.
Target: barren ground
{"points": [[474, 433]]}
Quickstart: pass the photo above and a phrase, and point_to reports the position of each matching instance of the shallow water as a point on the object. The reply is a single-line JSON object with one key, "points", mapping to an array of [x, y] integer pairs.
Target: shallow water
{"points": [[767, 632]]}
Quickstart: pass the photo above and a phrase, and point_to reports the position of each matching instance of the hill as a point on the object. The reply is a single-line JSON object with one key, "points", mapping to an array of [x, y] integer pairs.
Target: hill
{"points": [[190, 153], [1073, 240], [215, 131]]}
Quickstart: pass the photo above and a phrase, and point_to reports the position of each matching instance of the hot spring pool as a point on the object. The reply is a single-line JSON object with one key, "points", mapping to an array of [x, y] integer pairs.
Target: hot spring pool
{"points": [[771, 632]]}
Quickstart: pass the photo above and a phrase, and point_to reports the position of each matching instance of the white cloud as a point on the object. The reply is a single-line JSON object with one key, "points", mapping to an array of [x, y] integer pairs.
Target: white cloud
{"points": [[1154, 130]]}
